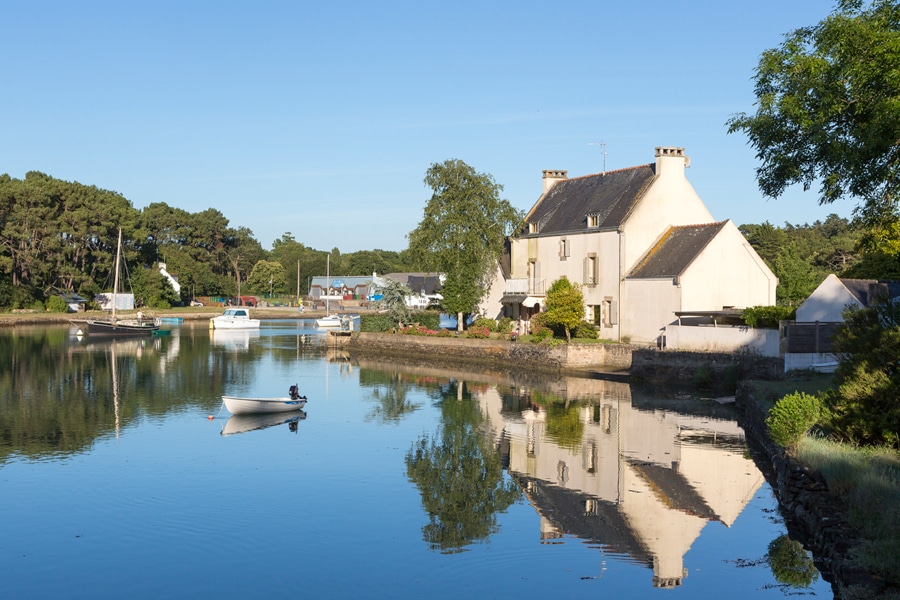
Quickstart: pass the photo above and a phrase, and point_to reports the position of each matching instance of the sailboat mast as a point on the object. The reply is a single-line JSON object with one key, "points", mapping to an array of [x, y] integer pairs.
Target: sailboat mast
{"points": [[327, 281], [116, 278]]}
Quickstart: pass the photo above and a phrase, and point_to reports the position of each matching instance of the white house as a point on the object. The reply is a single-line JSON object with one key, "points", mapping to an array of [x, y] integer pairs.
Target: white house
{"points": [[172, 279], [642, 244], [808, 338]]}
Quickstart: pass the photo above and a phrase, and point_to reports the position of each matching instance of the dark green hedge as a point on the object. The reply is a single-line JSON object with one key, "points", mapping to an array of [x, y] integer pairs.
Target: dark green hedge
{"points": [[381, 322]]}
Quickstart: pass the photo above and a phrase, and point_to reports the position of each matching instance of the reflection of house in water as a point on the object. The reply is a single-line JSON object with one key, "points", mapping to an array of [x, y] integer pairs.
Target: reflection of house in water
{"points": [[641, 483]]}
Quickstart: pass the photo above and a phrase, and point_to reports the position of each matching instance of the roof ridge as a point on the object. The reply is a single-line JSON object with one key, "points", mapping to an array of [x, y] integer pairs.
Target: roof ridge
{"points": [[712, 224], [623, 169]]}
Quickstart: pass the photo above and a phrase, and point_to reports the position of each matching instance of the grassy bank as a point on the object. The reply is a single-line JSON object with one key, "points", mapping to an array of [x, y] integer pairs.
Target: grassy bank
{"points": [[867, 480]]}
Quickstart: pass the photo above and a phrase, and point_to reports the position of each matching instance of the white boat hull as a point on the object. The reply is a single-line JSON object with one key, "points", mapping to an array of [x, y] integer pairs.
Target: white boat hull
{"points": [[245, 423], [235, 318], [249, 406], [329, 321]]}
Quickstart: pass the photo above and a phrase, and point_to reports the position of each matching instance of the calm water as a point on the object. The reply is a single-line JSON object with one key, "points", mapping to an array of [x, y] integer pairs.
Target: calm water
{"points": [[398, 481]]}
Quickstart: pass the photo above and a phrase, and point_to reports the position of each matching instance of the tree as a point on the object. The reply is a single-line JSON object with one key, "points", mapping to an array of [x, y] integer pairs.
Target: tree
{"points": [[827, 108], [863, 406], [393, 301], [565, 305], [462, 232], [266, 277]]}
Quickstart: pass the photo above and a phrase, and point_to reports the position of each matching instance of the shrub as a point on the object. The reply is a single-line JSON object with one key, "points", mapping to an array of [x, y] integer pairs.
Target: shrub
{"points": [[490, 324], [585, 330], [478, 332], [792, 417], [767, 317], [57, 304], [376, 322], [505, 325]]}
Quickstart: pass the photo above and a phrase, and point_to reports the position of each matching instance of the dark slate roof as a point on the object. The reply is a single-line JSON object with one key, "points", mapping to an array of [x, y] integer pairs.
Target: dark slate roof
{"points": [[675, 250], [423, 283], [609, 195], [868, 290]]}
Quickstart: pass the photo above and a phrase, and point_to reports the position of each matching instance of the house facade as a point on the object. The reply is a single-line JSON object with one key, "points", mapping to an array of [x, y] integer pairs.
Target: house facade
{"points": [[642, 245], [807, 339]]}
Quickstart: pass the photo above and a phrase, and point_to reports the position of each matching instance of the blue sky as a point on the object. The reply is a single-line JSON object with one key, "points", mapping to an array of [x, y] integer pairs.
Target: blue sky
{"points": [[321, 119]]}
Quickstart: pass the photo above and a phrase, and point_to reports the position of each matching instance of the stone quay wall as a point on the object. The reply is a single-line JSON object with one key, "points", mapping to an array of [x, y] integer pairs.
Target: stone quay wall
{"points": [[495, 351], [676, 366], [804, 497]]}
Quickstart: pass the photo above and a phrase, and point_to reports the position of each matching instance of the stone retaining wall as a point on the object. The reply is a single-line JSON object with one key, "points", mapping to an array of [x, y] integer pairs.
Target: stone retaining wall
{"points": [[661, 365], [522, 354], [804, 497]]}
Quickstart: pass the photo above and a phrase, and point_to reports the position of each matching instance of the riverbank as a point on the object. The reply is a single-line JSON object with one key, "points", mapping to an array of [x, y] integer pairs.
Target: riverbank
{"points": [[200, 313]]}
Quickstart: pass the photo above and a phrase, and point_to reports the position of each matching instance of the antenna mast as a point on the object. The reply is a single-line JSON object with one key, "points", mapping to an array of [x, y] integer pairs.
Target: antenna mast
{"points": [[602, 145]]}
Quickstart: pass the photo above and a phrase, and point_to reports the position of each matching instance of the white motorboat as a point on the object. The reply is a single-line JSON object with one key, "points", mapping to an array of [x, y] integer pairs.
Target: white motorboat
{"points": [[234, 318], [247, 406], [330, 321]]}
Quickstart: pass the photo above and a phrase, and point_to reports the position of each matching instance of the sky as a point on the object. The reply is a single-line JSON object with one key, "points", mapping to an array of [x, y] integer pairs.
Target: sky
{"points": [[320, 119]]}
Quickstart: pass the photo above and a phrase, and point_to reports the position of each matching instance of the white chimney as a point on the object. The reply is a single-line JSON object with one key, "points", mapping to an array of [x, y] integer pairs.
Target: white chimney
{"points": [[671, 161], [552, 177]]}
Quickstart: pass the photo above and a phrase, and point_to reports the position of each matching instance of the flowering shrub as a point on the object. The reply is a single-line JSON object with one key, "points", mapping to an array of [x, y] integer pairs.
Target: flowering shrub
{"points": [[478, 332], [422, 330]]}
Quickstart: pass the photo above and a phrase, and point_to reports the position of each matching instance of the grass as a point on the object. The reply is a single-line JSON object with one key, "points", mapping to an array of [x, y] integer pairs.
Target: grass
{"points": [[866, 479]]}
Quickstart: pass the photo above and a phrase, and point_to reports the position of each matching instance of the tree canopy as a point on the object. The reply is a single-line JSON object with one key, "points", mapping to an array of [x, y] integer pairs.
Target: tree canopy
{"points": [[827, 106], [565, 305], [462, 232]]}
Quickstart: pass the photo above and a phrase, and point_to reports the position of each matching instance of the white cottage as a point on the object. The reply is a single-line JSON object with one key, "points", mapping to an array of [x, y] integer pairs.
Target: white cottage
{"points": [[808, 338], [642, 244]]}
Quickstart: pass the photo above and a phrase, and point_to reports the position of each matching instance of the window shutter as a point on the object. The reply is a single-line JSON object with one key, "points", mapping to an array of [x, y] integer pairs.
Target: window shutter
{"points": [[614, 312]]}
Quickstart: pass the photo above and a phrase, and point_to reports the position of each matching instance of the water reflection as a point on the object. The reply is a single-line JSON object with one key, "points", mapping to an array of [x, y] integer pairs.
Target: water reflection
{"points": [[459, 475], [481, 455], [244, 423], [641, 483]]}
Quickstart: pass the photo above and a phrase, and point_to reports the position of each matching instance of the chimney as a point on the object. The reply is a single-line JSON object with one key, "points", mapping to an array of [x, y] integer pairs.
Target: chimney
{"points": [[670, 161], [552, 177]]}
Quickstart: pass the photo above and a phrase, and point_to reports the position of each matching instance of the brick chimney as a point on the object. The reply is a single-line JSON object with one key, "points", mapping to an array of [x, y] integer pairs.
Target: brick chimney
{"points": [[671, 161], [552, 177]]}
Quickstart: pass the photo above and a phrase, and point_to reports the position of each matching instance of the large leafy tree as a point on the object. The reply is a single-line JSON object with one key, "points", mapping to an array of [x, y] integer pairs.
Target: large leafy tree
{"points": [[827, 107], [462, 232]]}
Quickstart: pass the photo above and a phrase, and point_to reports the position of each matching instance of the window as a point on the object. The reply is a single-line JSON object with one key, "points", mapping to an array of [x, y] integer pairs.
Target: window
{"points": [[593, 221], [532, 228], [564, 248], [609, 312], [591, 273]]}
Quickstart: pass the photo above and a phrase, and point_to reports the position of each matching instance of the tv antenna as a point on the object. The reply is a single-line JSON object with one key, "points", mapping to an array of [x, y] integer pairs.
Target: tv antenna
{"points": [[602, 145]]}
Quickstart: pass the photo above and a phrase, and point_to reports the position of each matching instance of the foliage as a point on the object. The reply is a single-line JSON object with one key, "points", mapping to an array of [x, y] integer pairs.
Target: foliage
{"points": [[827, 108], [565, 305], [585, 330], [801, 256], [428, 318], [505, 325], [791, 564], [459, 475], [266, 277], [539, 329], [425, 331], [376, 322], [767, 317], [489, 324], [56, 304], [462, 232], [792, 417], [478, 331], [393, 301], [151, 288], [863, 405]]}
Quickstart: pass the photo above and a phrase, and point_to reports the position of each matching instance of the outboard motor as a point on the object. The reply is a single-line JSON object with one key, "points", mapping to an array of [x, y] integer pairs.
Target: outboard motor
{"points": [[294, 392]]}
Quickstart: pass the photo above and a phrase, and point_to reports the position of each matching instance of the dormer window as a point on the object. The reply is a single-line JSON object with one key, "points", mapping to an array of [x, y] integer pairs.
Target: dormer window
{"points": [[593, 221], [532, 228]]}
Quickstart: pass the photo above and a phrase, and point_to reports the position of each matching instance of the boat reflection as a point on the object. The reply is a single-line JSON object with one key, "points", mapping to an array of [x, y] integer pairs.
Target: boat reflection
{"points": [[244, 423], [233, 339]]}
